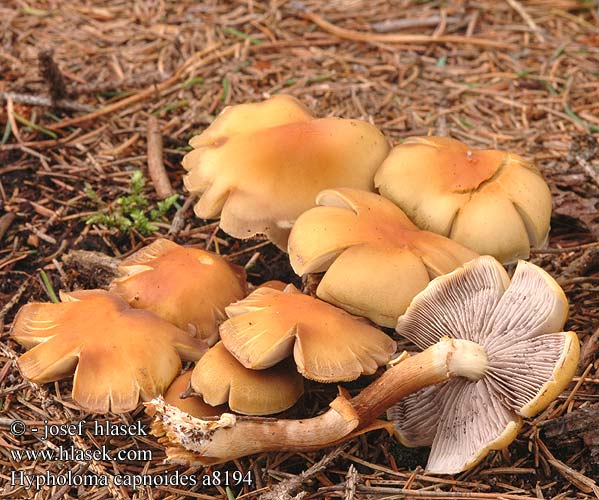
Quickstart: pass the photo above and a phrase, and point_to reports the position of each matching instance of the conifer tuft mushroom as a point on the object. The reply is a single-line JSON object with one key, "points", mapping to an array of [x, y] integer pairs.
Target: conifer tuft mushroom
{"points": [[491, 201], [524, 364], [374, 258], [192, 404], [118, 354], [260, 165], [220, 379], [188, 287], [327, 344]]}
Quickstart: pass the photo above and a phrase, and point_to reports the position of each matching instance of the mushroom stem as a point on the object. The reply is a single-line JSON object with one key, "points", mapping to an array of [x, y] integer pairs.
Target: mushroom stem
{"points": [[446, 359], [233, 436]]}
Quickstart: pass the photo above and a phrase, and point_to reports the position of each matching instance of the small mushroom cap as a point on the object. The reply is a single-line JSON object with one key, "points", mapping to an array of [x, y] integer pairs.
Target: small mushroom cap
{"points": [[194, 405], [261, 179], [220, 379], [117, 353], [529, 364], [376, 260], [188, 287], [494, 202], [328, 344]]}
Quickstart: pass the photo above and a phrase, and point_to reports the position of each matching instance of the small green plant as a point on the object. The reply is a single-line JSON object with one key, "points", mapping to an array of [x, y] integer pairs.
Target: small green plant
{"points": [[132, 211]]}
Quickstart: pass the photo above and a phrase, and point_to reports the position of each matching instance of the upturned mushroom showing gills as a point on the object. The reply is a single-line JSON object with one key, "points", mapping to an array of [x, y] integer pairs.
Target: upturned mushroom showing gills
{"points": [[260, 165], [521, 364], [117, 353], [219, 378], [376, 260], [327, 344], [494, 202], [188, 287], [494, 348]]}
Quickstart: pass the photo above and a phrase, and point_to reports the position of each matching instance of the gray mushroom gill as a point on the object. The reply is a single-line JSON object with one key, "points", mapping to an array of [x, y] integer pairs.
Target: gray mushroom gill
{"points": [[491, 355]]}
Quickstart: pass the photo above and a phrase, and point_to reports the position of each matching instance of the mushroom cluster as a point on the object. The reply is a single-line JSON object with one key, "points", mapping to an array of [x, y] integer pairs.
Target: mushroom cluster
{"points": [[492, 350], [166, 306]]}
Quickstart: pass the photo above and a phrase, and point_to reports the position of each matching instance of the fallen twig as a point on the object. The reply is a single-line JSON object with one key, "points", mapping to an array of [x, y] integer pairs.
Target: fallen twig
{"points": [[155, 163], [10, 111], [286, 488], [589, 349], [352, 479], [179, 218], [50, 72], [101, 267], [358, 36], [517, 6], [5, 222], [399, 24], [37, 100], [148, 92]]}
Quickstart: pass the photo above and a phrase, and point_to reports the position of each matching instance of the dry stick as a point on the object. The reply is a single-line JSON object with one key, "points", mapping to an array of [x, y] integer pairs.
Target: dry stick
{"points": [[560, 409], [147, 93], [35, 100], [517, 6], [137, 80], [10, 111], [92, 262], [71, 141], [179, 218], [578, 479], [5, 222], [287, 487], [574, 248], [351, 482], [386, 38], [399, 24], [155, 164], [590, 347], [50, 72], [121, 147]]}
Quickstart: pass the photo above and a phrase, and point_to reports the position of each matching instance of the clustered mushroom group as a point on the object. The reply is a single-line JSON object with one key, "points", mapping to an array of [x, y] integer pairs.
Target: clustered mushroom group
{"points": [[492, 350]]}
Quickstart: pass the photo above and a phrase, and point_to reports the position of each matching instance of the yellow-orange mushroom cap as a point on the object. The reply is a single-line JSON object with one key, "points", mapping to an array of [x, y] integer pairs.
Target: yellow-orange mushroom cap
{"points": [[494, 202], [260, 176], [244, 118], [188, 287], [221, 379], [117, 353], [193, 405], [376, 260], [328, 344]]}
